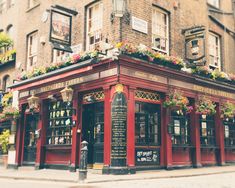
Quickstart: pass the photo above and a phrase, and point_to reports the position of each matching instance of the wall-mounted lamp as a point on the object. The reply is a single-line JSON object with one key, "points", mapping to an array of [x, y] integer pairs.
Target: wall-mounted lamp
{"points": [[33, 102], [120, 10], [67, 94], [119, 7]]}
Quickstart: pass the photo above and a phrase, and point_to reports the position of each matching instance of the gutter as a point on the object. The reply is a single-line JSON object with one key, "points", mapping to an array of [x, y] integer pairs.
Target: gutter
{"points": [[53, 73]]}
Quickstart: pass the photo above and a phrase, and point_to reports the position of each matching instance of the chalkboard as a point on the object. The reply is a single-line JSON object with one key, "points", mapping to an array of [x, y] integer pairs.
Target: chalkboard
{"points": [[119, 121], [147, 156]]}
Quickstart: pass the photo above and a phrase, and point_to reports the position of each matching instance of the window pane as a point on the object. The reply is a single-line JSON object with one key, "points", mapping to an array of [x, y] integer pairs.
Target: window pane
{"points": [[160, 30]]}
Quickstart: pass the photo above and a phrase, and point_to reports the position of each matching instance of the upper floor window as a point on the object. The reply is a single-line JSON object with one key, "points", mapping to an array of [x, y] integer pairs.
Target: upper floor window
{"points": [[214, 51], [10, 3], [10, 31], [32, 3], [2, 6], [60, 56], [160, 30], [94, 25], [5, 83], [215, 3], [32, 41]]}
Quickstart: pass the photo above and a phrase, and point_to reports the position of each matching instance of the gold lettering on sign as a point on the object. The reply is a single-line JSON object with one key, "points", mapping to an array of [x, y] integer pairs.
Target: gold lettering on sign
{"points": [[143, 75], [213, 91]]}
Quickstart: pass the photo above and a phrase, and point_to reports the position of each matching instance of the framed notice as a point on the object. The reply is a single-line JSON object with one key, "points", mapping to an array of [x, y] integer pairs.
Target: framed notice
{"points": [[226, 131], [60, 28], [146, 156], [177, 127], [204, 129]]}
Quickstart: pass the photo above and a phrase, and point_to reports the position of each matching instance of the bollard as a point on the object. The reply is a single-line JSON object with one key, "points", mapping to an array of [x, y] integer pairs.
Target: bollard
{"points": [[83, 162]]}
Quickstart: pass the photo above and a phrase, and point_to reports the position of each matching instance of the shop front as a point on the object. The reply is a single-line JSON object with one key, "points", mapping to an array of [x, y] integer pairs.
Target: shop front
{"points": [[117, 106]]}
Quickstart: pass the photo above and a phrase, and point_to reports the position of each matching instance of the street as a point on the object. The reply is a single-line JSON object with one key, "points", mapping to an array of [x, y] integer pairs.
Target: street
{"points": [[226, 180]]}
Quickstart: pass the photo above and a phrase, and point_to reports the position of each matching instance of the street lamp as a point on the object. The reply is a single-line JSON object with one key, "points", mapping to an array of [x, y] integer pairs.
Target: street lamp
{"points": [[33, 102], [67, 94], [119, 7]]}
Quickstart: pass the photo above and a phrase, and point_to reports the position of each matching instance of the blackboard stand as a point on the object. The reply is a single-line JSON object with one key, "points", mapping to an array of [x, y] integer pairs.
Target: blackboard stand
{"points": [[119, 137]]}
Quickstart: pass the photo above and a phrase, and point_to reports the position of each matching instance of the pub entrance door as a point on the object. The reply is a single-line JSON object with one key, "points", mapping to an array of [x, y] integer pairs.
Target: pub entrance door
{"points": [[93, 131], [30, 140]]}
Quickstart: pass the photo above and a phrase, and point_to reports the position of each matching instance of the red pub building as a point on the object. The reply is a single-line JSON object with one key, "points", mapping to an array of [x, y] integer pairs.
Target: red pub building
{"points": [[117, 107]]}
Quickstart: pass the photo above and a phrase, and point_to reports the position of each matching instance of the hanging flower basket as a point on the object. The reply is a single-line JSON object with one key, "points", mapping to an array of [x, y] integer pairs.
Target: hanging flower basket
{"points": [[177, 102], [205, 106], [227, 110]]}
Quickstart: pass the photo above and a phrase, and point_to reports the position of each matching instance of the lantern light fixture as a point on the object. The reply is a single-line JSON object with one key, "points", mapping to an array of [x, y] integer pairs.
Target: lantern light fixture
{"points": [[119, 8], [33, 102], [67, 94]]}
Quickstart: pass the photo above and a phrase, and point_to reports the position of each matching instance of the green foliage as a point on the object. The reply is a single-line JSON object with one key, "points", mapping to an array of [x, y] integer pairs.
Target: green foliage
{"points": [[205, 106], [5, 40], [4, 141], [227, 110]]}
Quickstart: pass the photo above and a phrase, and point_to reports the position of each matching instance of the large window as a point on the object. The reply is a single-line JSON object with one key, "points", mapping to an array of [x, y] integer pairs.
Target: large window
{"points": [[94, 25], [6, 83], [60, 122], [10, 3], [2, 6], [207, 131], [32, 3], [229, 133], [215, 3], [214, 51], [147, 124], [181, 129], [160, 31], [32, 49]]}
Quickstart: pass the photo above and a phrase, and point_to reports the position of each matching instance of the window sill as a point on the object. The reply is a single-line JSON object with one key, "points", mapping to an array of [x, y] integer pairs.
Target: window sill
{"points": [[178, 146], [229, 147], [33, 7], [160, 51], [213, 6], [212, 148], [58, 147], [147, 146]]}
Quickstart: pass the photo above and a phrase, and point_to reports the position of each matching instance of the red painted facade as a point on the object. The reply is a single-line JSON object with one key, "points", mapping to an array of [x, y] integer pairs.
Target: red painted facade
{"points": [[134, 75]]}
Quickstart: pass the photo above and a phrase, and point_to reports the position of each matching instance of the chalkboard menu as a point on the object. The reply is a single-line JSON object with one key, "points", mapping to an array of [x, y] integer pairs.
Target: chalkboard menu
{"points": [[147, 156], [119, 121]]}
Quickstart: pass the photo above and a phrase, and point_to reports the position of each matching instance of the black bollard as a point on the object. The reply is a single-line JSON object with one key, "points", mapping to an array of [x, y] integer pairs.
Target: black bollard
{"points": [[83, 162]]}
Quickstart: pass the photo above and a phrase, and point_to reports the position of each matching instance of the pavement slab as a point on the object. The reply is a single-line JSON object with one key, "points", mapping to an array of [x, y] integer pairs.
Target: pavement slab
{"points": [[28, 173]]}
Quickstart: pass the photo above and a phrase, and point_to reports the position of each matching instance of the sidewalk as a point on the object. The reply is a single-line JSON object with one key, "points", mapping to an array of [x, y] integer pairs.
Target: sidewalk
{"points": [[28, 173]]}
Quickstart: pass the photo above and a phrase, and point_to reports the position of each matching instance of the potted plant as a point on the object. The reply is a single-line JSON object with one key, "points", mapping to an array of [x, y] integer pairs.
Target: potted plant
{"points": [[227, 110], [4, 142], [176, 101], [205, 106]]}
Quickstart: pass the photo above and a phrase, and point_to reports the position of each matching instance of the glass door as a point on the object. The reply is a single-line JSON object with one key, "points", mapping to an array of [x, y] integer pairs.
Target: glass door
{"points": [[93, 131], [30, 139]]}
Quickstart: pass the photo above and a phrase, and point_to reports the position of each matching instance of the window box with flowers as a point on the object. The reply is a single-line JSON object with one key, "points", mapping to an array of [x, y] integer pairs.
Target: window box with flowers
{"points": [[7, 99], [177, 102], [11, 112], [147, 54]]}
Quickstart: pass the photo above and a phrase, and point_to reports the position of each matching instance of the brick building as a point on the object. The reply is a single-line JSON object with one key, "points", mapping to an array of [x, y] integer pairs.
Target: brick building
{"points": [[200, 32]]}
